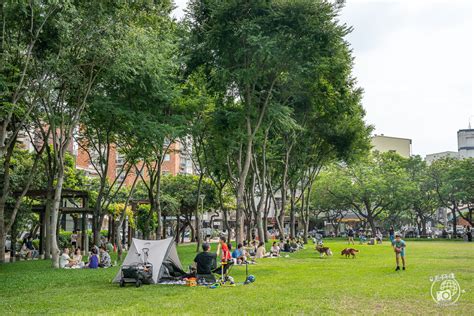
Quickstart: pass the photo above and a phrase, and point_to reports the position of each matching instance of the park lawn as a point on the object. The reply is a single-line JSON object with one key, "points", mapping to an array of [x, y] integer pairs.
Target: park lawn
{"points": [[300, 284]]}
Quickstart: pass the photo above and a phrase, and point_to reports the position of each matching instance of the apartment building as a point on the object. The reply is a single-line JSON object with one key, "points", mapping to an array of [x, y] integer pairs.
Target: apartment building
{"points": [[383, 144]]}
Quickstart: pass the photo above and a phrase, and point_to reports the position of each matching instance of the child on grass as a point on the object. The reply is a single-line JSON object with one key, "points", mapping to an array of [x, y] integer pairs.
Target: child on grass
{"points": [[399, 248]]}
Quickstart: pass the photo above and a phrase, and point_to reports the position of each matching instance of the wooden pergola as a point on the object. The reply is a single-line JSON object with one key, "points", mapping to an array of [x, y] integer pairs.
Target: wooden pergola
{"points": [[65, 194]]}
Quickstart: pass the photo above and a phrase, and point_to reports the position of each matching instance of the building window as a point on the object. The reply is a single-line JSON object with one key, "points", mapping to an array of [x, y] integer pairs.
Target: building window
{"points": [[167, 157]]}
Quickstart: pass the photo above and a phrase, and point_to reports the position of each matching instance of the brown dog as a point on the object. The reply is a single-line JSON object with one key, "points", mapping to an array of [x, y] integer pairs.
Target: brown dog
{"points": [[323, 251], [349, 252]]}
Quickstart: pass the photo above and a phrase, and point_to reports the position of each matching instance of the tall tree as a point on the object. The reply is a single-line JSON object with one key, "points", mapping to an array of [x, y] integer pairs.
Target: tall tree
{"points": [[452, 181], [372, 186], [422, 196], [23, 24], [251, 50]]}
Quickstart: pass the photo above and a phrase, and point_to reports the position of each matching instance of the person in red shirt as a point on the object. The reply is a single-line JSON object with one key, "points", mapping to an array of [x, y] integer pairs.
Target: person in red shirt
{"points": [[226, 261], [226, 255]]}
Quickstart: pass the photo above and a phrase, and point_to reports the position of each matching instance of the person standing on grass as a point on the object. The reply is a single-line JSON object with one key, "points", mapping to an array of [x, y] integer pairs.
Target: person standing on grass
{"points": [[391, 233], [225, 250], [74, 239], [226, 258], [350, 236], [399, 248]]}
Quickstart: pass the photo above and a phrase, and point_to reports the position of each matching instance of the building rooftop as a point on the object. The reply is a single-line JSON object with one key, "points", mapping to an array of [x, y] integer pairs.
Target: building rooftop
{"points": [[382, 135]]}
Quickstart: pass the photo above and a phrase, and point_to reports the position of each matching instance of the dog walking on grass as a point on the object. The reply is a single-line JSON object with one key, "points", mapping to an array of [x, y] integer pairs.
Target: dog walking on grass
{"points": [[323, 250], [349, 252]]}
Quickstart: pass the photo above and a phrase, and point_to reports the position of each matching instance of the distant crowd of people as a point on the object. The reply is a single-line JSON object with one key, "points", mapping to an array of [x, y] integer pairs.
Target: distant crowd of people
{"points": [[248, 251], [205, 263], [364, 236]]}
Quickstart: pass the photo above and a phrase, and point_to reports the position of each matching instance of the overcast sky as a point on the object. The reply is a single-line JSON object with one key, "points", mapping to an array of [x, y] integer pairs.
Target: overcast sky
{"points": [[414, 60]]}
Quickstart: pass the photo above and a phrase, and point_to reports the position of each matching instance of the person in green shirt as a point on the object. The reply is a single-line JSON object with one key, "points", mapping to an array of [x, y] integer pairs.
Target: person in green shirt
{"points": [[110, 247], [399, 248]]}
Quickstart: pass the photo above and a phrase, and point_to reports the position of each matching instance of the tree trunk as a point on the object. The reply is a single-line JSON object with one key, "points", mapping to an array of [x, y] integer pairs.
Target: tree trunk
{"points": [[157, 202], [3, 199], [455, 235], [305, 231], [292, 213], [164, 227], [260, 230], [118, 240], [98, 212], [265, 217], [55, 215], [423, 226], [239, 220], [47, 219], [176, 238], [371, 221], [197, 220]]}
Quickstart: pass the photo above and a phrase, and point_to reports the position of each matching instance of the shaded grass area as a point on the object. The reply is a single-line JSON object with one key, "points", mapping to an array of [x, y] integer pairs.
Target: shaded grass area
{"points": [[300, 284]]}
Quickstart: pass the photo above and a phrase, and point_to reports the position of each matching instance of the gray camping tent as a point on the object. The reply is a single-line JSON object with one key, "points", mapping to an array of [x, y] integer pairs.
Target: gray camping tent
{"points": [[161, 253]]}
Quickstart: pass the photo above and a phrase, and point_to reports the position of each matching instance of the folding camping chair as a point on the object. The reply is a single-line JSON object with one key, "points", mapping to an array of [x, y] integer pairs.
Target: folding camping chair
{"points": [[223, 271]]}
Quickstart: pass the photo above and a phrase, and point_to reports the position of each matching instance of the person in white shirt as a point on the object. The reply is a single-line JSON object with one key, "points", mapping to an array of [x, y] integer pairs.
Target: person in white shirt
{"points": [[74, 239], [261, 253], [65, 261], [77, 257], [275, 250]]}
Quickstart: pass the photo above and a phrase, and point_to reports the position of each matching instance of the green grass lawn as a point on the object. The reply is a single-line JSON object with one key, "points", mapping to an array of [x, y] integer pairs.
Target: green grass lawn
{"points": [[300, 284]]}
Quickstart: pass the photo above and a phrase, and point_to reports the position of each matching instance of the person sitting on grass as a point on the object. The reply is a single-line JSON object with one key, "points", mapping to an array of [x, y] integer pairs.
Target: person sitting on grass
{"points": [[110, 246], [362, 237], [293, 245], [105, 261], [77, 257], [204, 263], [65, 261], [281, 244], [399, 248], [275, 250], [300, 243], [261, 252], [93, 260], [378, 237], [32, 252], [252, 248], [239, 254], [287, 247]]}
